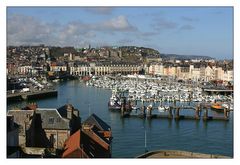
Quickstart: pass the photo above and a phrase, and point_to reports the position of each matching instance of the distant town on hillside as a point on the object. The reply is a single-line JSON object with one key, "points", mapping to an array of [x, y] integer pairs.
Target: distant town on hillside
{"points": [[122, 53]]}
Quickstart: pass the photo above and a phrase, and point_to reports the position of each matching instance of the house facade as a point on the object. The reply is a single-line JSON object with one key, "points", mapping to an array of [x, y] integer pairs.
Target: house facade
{"points": [[44, 127]]}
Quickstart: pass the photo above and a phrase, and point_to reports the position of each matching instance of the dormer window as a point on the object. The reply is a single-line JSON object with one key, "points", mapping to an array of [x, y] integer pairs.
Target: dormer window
{"points": [[51, 120]]}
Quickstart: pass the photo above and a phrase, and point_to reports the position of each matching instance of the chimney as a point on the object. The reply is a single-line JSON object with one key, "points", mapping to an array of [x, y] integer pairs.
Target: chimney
{"points": [[69, 111], [33, 106], [10, 122], [76, 112]]}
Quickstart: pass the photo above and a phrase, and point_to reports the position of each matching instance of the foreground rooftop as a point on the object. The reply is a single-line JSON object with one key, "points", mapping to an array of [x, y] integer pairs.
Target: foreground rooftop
{"points": [[178, 154]]}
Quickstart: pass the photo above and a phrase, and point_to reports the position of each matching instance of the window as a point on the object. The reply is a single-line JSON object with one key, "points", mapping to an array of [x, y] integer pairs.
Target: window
{"points": [[51, 120], [28, 115], [52, 139], [58, 119], [20, 129]]}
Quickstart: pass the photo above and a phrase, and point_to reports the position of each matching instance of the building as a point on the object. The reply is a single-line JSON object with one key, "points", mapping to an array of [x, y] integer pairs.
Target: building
{"points": [[173, 71], [93, 140], [183, 71], [123, 68], [12, 68], [156, 69], [198, 71], [153, 58], [209, 73], [23, 70], [228, 75], [195, 72], [202, 72], [97, 124], [58, 66], [80, 69], [73, 146], [44, 127], [169, 70], [103, 68]]}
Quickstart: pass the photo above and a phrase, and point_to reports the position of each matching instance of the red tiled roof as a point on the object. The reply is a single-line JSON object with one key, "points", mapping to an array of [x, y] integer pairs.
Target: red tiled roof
{"points": [[72, 144], [95, 137]]}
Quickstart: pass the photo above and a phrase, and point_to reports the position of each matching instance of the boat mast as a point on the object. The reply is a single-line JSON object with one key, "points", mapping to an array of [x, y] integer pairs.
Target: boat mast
{"points": [[89, 110], [145, 141]]}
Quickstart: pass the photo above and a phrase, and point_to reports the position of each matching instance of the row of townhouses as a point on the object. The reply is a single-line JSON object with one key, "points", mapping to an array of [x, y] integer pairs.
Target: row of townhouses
{"points": [[193, 71], [83, 69], [196, 72]]}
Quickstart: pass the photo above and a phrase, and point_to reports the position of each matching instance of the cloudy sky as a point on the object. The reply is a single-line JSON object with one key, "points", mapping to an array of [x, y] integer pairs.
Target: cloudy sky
{"points": [[181, 30]]}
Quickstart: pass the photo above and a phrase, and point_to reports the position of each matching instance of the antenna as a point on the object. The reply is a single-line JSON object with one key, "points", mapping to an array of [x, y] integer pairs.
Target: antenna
{"points": [[89, 109], [145, 136]]}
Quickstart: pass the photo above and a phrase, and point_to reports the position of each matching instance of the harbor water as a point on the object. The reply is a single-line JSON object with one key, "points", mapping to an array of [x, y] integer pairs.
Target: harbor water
{"points": [[133, 136]]}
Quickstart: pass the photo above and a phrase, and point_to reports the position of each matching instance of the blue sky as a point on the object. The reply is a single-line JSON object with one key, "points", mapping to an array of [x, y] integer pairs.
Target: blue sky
{"points": [[180, 30]]}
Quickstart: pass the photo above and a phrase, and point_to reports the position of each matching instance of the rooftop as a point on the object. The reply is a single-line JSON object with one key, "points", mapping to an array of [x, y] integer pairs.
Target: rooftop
{"points": [[51, 119], [72, 143], [99, 123], [22, 116]]}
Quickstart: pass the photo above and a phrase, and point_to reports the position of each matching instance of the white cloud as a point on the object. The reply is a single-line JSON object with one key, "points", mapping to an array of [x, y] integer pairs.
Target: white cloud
{"points": [[23, 29], [119, 23]]}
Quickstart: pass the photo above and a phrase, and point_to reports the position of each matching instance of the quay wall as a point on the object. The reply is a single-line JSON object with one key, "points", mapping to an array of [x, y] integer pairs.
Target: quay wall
{"points": [[32, 95], [178, 154], [14, 98], [42, 94]]}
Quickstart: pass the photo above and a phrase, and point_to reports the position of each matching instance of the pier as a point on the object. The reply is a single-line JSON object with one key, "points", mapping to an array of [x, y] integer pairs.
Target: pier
{"points": [[218, 91], [174, 112], [20, 96]]}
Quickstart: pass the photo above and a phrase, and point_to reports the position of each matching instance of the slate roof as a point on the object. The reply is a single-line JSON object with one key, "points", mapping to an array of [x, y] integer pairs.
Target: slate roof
{"points": [[51, 119], [63, 110], [81, 63], [20, 116], [99, 123]]}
